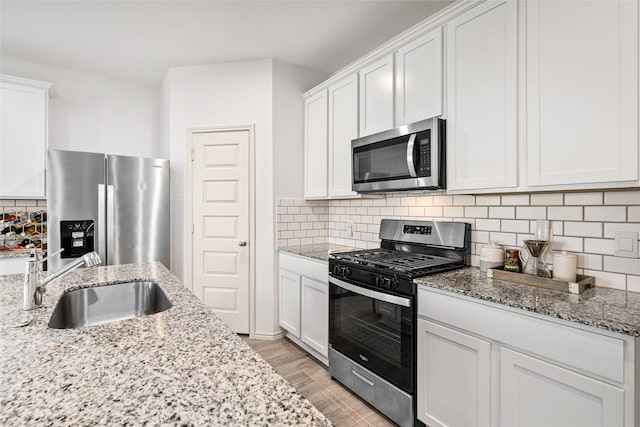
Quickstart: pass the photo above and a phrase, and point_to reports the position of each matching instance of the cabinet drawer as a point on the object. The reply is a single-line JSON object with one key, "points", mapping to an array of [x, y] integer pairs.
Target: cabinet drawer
{"points": [[590, 352], [314, 269]]}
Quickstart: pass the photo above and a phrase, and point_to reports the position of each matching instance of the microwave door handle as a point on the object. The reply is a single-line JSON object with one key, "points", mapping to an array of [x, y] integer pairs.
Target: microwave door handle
{"points": [[410, 163]]}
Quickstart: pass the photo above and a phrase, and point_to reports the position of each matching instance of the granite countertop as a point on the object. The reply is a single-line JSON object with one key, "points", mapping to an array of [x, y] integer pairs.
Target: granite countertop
{"points": [[604, 308], [319, 251], [15, 254], [181, 366]]}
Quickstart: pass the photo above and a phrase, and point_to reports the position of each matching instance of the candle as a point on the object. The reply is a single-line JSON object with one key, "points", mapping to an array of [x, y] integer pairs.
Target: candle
{"points": [[564, 266]]}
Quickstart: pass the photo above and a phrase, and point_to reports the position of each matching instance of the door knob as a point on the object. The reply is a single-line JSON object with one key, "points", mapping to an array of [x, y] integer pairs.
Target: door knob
{"points": [[243, 243]]}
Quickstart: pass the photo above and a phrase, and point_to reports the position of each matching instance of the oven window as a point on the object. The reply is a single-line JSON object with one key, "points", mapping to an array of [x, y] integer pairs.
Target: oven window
{"points": [[376, 334], [382, 161]]}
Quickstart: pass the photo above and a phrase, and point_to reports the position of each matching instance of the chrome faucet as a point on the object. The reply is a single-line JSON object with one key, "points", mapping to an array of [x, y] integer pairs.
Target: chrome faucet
{"points": [[34, 286]]}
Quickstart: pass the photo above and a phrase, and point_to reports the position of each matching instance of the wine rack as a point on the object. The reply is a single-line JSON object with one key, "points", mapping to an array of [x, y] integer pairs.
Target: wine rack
{"points": [[22, 229]]}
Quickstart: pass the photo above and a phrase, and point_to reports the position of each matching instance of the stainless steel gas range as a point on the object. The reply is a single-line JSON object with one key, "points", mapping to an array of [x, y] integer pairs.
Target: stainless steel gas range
{"points": [[372, 309]]}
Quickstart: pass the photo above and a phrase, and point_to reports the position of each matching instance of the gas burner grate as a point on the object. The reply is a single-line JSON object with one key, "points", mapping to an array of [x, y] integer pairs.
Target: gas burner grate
{"points": [[396, 260]]}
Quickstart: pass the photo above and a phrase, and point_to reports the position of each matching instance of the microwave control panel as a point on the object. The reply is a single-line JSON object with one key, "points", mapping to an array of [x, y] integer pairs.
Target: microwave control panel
{"points": [[424, 154], [76, 238]]}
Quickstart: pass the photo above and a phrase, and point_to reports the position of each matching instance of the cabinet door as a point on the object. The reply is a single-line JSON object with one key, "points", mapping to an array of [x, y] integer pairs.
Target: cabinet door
{"points": [[315, 145], [23, 140], [343, 127], [481, 97], [418, 70], [376, 96], [537, 393], [582, 92], [289, 302], [315, 315], [454, 377]]}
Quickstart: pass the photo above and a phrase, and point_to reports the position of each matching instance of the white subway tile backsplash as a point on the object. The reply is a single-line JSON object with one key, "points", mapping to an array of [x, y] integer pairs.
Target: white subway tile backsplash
{"points": [[515, 226], [584, 229], [488, 224], [582, 199], [463, 200], [622, 197], [622, 265], [547, 199], [476, 211], [608, 280], [531, 212], [589, 261], [515, 199], [605, 213], [488, 200], [582, 222], [564, 213], [598, 246], [506, 239], [454, 212], [506, 212]]}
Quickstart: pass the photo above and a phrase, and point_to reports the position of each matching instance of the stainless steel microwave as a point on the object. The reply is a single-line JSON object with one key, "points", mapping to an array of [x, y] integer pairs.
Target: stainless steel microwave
{"points": [[409, 157]]}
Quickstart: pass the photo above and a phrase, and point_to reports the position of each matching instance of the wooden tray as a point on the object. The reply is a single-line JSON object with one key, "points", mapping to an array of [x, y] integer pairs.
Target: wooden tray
{"points": [[582, 282]]}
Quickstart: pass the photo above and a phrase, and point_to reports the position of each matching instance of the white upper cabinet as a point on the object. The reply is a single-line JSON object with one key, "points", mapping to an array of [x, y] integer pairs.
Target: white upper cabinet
{"points": [[376, 96], [343, 127], [315, 145], [482, 96], [24, 129], [581, 92], [418, 74]]}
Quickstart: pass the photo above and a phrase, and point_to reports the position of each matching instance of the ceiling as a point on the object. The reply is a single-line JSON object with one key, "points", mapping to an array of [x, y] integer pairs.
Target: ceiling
{"points": [[138, 40]]}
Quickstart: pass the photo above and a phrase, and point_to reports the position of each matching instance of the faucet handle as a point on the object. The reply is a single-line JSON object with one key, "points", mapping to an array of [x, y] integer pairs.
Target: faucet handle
{"points": [[52, 255]]}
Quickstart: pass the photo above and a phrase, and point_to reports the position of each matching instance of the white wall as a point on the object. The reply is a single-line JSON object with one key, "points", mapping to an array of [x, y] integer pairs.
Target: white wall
{"points": [[266, 94], [220, 95], [92, 113], [289, 82]]}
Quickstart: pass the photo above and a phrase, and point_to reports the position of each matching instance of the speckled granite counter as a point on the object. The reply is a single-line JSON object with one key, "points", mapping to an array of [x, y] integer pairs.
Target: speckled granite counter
{"points": [[182, 366], [610, 309], [14, 254], [320, 251]]}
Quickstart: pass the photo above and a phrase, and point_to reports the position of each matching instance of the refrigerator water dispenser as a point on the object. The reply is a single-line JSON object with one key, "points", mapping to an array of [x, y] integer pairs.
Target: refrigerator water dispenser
{"points": [[76, 238]]}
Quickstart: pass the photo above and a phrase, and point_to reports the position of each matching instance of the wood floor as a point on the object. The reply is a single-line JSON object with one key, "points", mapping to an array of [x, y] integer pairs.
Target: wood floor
{"points": [[311, 378]]}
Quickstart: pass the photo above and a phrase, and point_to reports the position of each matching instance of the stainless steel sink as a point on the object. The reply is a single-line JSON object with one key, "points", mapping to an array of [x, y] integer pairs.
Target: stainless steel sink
{"points": [[108, 303]]}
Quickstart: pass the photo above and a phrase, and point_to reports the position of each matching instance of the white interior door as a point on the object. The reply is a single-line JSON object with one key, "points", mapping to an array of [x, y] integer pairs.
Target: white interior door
{"points": [[221, 230]]}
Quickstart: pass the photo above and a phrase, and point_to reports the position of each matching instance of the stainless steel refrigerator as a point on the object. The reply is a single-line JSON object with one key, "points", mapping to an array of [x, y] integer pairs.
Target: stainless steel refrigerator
{"points": [[117, 206]]}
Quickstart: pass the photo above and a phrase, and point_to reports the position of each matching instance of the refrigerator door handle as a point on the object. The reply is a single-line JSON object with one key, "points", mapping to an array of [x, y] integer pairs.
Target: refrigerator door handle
{"points": [[111, 229], [102, 238]]}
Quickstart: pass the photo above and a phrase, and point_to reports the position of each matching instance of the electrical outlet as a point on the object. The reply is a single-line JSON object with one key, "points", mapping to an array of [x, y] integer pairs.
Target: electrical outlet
{"points": [[350, 229], [626, 244]]}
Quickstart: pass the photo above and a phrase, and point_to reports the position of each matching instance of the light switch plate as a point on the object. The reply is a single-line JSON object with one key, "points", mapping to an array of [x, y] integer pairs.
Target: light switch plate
{"points": [[626, 244]]}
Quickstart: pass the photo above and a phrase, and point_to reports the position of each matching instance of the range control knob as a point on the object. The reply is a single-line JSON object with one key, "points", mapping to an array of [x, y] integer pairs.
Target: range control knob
{"points": [[336, 270], [394, 283], [345, 272]]}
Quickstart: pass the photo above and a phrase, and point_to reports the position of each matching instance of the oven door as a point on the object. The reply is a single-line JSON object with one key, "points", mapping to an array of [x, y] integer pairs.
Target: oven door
{"points": [[374, 329]]}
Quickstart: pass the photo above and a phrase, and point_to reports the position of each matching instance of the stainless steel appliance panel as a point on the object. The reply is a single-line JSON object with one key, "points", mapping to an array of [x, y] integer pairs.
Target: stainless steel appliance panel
{"points": [[137, 210], [74, 184]]}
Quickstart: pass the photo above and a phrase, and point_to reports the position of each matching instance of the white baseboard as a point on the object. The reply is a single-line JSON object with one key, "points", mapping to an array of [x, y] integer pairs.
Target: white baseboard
{"points": [[264, 336]]}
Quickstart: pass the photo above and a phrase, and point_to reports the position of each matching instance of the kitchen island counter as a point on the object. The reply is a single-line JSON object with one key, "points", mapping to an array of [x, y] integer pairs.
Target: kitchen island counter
{"points": [[183, 366]]}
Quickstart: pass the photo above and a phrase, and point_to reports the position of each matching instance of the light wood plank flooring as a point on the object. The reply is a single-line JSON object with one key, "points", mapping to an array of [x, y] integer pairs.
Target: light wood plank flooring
{"points": [[311, 378]]}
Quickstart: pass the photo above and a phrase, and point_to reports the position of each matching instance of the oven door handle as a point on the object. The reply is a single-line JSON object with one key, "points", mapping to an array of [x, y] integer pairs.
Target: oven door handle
{"points": [[405, 302]]}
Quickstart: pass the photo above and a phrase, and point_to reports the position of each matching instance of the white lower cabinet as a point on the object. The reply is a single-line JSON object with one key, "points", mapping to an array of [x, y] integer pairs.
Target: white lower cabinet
{"points": [[484, 364], [289, 291], [314, 313], [454, 387], [304, 303], [538, 393]]}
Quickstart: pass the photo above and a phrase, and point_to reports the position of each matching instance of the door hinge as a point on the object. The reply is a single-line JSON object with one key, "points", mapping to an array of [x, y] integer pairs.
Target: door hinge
{"points": [[193, 154], [193, 228]]}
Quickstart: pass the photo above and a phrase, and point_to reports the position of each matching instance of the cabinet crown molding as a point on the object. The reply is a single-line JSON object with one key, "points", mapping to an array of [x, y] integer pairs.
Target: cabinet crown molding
{"points": [[5, 78]]}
